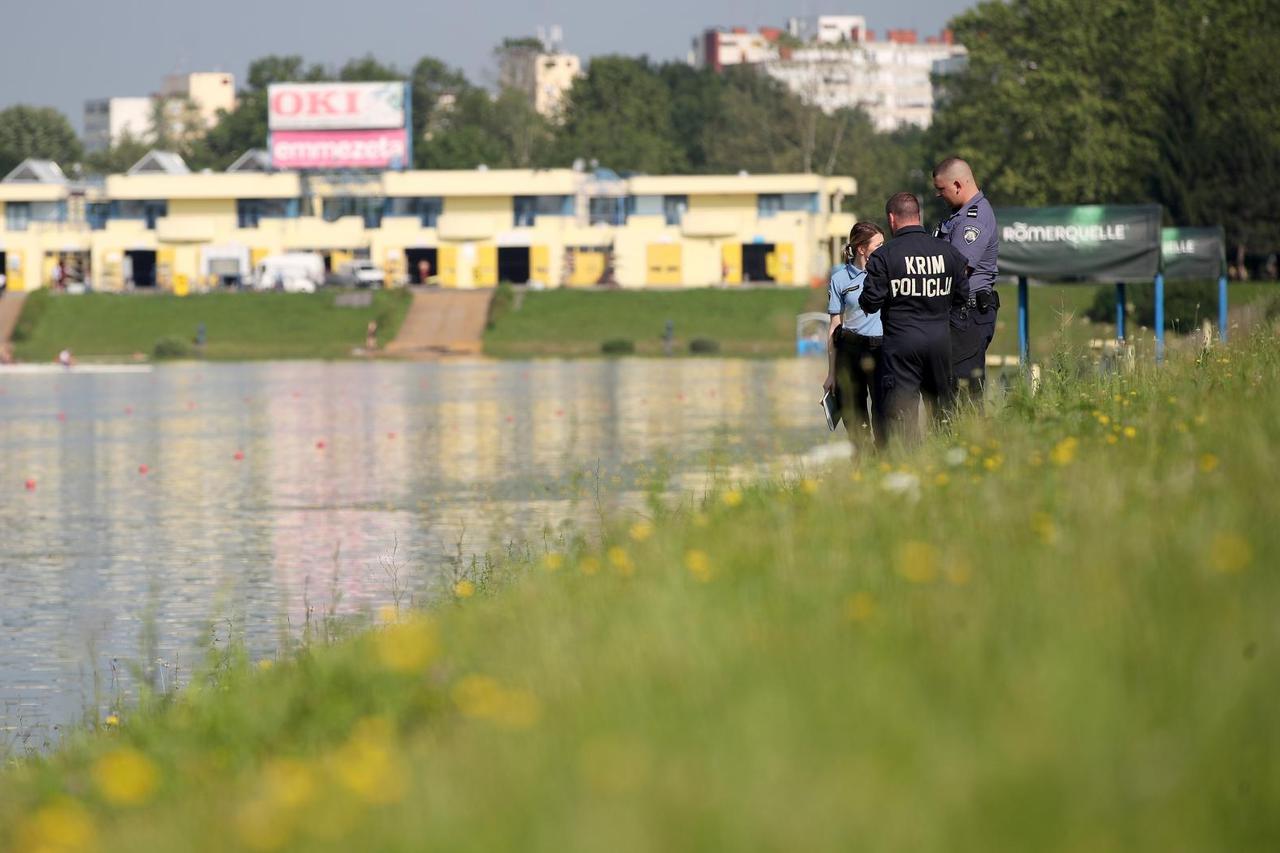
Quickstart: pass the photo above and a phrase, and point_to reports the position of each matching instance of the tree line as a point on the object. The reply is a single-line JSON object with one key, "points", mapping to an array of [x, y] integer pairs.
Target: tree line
{"points": [[1061, 102]]}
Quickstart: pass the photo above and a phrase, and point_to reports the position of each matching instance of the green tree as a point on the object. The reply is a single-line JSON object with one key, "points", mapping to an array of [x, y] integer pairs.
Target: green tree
{"points": [[435, 89], [120, 157], [619, 113], [40, 132]]}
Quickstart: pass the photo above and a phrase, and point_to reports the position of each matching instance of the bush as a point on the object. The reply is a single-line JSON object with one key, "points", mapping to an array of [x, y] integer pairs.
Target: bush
{"points": [[172, 347], [703, 346], [503, 298], [37, 302], [618, 346], [1186, 304]]}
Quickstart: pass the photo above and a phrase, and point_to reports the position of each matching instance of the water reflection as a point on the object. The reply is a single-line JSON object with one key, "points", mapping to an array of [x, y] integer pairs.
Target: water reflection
{"points": [[232, 495]]}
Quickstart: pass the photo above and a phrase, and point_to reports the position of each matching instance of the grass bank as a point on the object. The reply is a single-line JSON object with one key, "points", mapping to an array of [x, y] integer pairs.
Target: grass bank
{"points": [[758, 322], [1054, 630], [242, 325]]}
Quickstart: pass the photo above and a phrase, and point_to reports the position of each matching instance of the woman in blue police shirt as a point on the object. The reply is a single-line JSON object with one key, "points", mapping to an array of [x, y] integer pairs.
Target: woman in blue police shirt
{"points": [[853, 340]]}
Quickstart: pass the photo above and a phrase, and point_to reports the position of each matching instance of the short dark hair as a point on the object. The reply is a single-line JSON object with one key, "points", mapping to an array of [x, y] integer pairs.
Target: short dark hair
{"points": [[903, 205], [945, 166]]}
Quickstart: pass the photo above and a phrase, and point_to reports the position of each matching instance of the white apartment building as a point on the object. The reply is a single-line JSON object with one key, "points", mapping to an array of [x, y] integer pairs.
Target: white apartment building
{"points": [[108, 120], [835, 62]]}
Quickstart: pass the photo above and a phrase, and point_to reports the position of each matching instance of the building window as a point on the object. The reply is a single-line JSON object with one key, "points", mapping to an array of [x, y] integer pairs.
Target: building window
{"points": [[16, 215], [674, 207], [425, 209], [607, 210], [367, 208], [148, 210], [96, 214], [527, 208], [771, 204], [250, 210]]}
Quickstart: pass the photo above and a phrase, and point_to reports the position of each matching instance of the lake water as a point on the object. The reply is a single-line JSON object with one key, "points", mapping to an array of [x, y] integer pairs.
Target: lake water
{"points": [[131, 532]]}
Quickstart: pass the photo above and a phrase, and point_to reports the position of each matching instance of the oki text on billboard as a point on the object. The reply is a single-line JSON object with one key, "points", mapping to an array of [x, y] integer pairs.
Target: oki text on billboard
{"points": [[340, 149], [335, 106]]}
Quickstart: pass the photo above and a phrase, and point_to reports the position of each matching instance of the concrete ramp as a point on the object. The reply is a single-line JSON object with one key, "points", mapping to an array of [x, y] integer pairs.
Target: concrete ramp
{"points": [[10, 307], [442, 323]]}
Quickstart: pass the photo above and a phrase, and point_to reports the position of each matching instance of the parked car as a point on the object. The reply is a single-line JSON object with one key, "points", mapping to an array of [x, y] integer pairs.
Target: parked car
{"points": [[361, 272], [293, 272]]}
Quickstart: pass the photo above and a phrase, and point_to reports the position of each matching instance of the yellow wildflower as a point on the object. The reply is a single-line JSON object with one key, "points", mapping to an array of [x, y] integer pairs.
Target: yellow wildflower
{"points": [[63, 826], [917, 562], [698, 564], [407, 646], [942, 479], [859, 607], [1044, 528], [808, 486], [482, 697], [589, 566], [991, 463], [1208, 463], [1111, 439], [1130, 432], [641, 531], [265, 664], [732, 498], [621, 561], [1103, 419], [112, 720], [288, 783], [552, 561], [959, 572], [368, 765], [1064, 451], [125, 777], [1230, 553], [464, 589], [388, 614]]}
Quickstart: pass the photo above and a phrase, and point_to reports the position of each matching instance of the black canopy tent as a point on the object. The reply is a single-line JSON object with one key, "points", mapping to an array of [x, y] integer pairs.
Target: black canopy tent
{"points": [[1091, 242], [1197, 253]]}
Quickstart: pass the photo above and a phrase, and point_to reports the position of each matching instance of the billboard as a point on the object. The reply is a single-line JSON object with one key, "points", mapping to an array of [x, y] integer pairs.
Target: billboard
{"points": [[336, 106], [339, 149], [1110, 242], [333, 126], [1193, 253]]}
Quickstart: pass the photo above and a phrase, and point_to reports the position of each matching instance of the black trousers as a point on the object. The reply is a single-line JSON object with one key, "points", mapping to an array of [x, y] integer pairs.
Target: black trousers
{"points": [[912, 367], [971, 333], [861, 403]]}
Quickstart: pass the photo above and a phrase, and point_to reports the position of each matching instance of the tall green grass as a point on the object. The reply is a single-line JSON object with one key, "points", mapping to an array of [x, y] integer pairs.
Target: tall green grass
{"points": [[1053, 629]]}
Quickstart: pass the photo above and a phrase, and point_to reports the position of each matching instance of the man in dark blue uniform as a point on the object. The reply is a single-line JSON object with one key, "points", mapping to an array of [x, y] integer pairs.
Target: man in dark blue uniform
{"points": [[914, 281], [971, 228]]}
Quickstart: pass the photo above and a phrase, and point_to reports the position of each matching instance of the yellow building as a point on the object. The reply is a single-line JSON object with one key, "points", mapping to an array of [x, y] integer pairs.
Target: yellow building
{"points": [[163, 226]]}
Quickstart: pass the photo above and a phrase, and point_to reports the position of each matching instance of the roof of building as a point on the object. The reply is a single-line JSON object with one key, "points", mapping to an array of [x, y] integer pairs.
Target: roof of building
{"points": [[160, 162], [253, 160], [32, 171]]}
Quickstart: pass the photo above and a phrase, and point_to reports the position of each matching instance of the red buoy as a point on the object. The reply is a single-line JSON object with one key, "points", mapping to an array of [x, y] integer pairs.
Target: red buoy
{"points": [[319, 445], [143, 469], [239, 455], [31, 484]]}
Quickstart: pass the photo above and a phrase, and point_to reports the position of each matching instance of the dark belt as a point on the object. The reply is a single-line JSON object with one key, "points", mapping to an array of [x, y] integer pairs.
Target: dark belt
{"points": [[869, 340]]}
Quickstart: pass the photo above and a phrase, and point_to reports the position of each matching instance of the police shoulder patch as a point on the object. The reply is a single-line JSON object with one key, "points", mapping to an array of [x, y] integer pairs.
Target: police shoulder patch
{"points": [[973, 212], [971, 233]]}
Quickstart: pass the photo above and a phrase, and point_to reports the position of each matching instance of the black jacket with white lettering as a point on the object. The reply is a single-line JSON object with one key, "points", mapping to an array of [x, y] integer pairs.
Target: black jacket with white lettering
{"points": [[913, 281]]}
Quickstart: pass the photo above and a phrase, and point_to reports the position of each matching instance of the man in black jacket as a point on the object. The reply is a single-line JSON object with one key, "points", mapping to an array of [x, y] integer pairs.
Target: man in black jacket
{"points": [[914, 280]]}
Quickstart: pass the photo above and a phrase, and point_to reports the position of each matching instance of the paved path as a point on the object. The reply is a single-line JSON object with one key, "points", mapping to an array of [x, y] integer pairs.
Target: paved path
{"points": [[442, 322], [10, 307]]}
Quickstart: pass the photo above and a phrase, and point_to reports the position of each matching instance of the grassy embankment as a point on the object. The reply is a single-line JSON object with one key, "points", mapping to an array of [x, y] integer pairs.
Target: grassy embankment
{"points": [[1054, 630], [237, 325], [757, 322]]}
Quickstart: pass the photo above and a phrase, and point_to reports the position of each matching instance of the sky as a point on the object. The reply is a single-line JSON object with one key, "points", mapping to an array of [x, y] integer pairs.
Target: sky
{"points": [[60, 53]]}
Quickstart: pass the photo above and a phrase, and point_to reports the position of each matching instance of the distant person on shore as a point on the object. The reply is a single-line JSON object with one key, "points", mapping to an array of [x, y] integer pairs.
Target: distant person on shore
{"points": [[853, 341], [6, 353], [371, 336], [58, 275], [66, 359], [424, 271]]}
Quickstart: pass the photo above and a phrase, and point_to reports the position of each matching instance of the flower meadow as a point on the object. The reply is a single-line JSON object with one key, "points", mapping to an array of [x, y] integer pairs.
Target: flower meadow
{"points": [[1052, 628]]}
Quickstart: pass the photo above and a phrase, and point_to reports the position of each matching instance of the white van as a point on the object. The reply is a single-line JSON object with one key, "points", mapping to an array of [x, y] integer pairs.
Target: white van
{"points": [[293, 272]]}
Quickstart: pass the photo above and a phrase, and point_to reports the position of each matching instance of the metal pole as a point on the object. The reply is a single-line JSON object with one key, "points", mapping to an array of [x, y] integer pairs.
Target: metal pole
{"points": [[1024, 331], [1222, 308], [1159, 316], [1120, 309]]}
